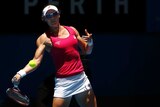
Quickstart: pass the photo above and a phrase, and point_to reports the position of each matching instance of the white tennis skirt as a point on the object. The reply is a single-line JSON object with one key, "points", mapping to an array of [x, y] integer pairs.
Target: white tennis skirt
{"points": [[69, 86]]}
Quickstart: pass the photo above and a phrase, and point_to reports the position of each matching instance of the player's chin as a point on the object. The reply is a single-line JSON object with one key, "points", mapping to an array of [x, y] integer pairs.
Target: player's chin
{"points": [[54, 25]]}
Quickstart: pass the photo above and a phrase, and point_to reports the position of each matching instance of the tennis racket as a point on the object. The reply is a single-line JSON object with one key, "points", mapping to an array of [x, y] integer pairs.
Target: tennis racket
{"points": [[16, 95]]}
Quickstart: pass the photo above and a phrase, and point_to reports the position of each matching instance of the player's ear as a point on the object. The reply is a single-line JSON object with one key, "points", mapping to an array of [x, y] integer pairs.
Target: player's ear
{"points": [[43, 18]]}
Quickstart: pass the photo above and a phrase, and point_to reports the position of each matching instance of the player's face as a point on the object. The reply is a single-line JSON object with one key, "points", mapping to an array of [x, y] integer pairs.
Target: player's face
{"points": [[52, 18]]}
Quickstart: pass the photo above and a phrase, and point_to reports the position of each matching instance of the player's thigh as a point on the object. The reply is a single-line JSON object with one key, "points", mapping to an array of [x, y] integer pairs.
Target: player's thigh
{"points": [[61, 102], [86, 99]]}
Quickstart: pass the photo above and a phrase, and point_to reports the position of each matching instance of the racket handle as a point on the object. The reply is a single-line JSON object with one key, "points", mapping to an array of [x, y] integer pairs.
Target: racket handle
{"points": [[15, 82], [15, 85]]}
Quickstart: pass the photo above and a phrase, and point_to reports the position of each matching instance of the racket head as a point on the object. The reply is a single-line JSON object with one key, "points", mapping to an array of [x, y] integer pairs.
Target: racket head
{"points": [[16, 95]]}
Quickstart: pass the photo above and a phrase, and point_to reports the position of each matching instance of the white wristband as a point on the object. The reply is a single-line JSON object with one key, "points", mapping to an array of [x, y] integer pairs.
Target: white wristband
{"points": [[90, 43], [22, 73]]}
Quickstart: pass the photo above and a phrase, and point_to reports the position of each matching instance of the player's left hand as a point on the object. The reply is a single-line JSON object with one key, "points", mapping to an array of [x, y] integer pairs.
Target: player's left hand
{"points": [[87, 37]]}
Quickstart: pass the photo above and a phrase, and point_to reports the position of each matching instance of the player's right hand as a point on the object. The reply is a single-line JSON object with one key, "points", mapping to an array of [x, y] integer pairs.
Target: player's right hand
{"points": [[16, 79]]}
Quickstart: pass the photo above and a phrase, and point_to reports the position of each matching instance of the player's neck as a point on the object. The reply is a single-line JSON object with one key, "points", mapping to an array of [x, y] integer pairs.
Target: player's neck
{"points": [[55, 30]]}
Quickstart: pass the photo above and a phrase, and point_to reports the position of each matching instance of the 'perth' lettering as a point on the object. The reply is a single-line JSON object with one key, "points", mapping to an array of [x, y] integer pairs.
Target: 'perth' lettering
{"points": [[77, 5]]}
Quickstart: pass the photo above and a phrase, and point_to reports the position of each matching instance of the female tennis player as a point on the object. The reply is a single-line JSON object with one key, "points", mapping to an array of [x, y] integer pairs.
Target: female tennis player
{"points": [[62, 43]]}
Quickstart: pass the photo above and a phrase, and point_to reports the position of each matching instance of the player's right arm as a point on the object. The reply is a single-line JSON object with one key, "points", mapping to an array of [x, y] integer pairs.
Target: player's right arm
{"points": [[37, 59]]}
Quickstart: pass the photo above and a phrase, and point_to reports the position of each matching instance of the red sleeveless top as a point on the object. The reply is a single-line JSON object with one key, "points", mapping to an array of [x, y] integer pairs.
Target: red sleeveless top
{"points": [[65, 55]]}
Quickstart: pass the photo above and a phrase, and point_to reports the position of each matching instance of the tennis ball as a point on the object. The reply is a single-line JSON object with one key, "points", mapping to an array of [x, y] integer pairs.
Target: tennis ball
{"points": [[32, 63]]}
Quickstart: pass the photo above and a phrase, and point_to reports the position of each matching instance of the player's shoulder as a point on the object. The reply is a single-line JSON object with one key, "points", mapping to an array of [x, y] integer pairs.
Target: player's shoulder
{"points": [[72, 29], [69, 26], [41, 39]]}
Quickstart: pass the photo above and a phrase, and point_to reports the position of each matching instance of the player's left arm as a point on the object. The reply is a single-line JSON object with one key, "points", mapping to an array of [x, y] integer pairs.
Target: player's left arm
{"points": [[85, 42]]}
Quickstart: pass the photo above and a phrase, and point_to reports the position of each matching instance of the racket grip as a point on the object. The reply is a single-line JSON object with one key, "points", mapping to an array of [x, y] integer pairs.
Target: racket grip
{"points": [[15, 82], [15, 85]]}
